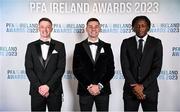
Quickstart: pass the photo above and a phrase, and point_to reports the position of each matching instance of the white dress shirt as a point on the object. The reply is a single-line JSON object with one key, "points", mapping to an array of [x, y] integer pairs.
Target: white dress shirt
{"points": [[144, 41], [45, 49], [93, 49]]}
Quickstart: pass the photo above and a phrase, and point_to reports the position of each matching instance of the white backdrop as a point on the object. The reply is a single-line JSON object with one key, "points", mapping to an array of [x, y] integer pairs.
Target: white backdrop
{"points": [[18, 27]]}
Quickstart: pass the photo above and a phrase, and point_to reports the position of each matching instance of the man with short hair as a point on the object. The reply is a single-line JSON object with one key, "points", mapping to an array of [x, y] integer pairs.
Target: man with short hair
{"points": [[93, 66], [45, 61], [141, 62]]}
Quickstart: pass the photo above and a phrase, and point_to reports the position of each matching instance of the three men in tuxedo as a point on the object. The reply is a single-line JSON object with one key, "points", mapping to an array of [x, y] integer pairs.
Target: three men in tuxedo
{"points": [[45, 61], [141, 62], [93, 66]]}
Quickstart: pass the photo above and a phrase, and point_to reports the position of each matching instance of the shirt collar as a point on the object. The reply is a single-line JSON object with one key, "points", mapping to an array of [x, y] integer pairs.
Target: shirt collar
{"points": [[144, 38], [49, 40]]}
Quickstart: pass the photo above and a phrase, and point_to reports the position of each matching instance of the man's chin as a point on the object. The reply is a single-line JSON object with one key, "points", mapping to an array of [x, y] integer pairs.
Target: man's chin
{"points": [[141, 35], [45, 37]]}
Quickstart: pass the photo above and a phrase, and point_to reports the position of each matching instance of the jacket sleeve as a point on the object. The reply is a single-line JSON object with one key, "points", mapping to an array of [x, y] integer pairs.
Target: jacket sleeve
{"points": [[125, 64], [109, 67], [60, 68], [29, 67], [156, 65], [78, 68]]}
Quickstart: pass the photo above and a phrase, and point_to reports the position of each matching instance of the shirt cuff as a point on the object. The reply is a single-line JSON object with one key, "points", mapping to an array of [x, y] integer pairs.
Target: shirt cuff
{"points": [[100, 86]]}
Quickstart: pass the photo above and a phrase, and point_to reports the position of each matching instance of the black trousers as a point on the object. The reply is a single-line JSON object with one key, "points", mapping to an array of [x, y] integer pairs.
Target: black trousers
{"points": [[131, 103], [53, 102], [101, 102]]}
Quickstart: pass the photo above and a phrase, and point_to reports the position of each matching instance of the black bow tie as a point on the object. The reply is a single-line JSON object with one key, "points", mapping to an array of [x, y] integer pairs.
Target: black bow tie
{"points": [[42, 42], [95, 43]]}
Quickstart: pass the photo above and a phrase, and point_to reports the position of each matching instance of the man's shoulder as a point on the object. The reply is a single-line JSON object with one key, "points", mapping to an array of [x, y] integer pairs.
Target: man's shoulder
{"points": [[33, 42], [129, 39], [154, 39], [102, 41], [57, 42], [105, 44], [81, 42]]}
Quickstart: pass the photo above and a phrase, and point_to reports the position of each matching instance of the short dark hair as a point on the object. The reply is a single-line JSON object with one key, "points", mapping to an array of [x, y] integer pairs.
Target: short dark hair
{"points": [[45, 19], [92, 19], [137, 18]]}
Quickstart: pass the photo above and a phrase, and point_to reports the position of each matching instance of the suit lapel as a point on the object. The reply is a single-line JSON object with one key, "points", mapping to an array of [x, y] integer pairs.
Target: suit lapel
{"points": [[51, 48], [133, 44], [146, 47], [39, 52], [98, 50], [87, 49]]}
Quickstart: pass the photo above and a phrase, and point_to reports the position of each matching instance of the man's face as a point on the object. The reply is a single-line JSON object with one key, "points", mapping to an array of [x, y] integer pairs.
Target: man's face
{"points": [[141, 28], [45, 29], [93, 29]]}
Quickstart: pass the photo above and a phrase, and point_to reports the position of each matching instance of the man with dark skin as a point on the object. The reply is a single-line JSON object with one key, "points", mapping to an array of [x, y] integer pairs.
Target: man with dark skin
{"points": [[141, 62]]}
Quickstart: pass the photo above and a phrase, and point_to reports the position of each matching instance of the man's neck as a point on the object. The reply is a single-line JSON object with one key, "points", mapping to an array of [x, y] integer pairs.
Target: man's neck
{"points": [[45, 39], [93, 39]]}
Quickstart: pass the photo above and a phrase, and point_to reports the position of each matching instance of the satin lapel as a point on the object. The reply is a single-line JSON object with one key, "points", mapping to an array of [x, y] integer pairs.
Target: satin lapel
{"points": [[87, 49], [51, 48], [98, 50], [38, 48]]}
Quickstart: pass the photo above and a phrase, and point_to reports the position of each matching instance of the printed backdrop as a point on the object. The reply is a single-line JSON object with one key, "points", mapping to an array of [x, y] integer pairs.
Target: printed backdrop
{"points": [[18, 27]]}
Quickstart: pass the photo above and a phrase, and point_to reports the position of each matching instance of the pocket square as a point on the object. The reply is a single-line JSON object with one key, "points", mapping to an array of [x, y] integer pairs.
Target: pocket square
{"points": [[54, 52], [102, 50]]}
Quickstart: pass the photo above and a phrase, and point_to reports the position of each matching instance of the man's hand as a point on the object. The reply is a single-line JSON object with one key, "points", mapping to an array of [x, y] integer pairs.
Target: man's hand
{"points": [[44, 90], [93, 89], [46, 95], [138, 91]]}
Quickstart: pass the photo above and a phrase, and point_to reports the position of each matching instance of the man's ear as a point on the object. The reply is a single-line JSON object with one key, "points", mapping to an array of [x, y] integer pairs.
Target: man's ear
{"points": [[51, 29], [148, 29], [133, 29]]}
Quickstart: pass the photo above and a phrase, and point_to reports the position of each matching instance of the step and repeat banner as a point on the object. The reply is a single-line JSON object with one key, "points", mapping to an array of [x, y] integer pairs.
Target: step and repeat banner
{"points": [[18, 27]]}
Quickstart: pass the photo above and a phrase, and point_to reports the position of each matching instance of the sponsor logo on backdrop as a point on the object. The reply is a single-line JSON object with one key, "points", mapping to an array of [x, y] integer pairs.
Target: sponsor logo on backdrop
{"points": [[69, 28], [118, 75], [22, 27], [14, 74], [69, 75], [175, 51], [8, 50], [169, 75], [165, 28], [80, 28], [93, 6]]}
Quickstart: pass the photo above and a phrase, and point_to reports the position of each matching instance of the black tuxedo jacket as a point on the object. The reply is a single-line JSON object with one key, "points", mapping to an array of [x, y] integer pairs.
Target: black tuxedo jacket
{"points": [[87, 71], [144, 71], [50, 72]]}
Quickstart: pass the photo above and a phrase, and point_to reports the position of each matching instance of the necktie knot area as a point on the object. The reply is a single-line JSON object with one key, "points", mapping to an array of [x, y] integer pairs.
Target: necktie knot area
{"points": [[141, 40], [93, 43], [140, 45], [46, 42]]}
